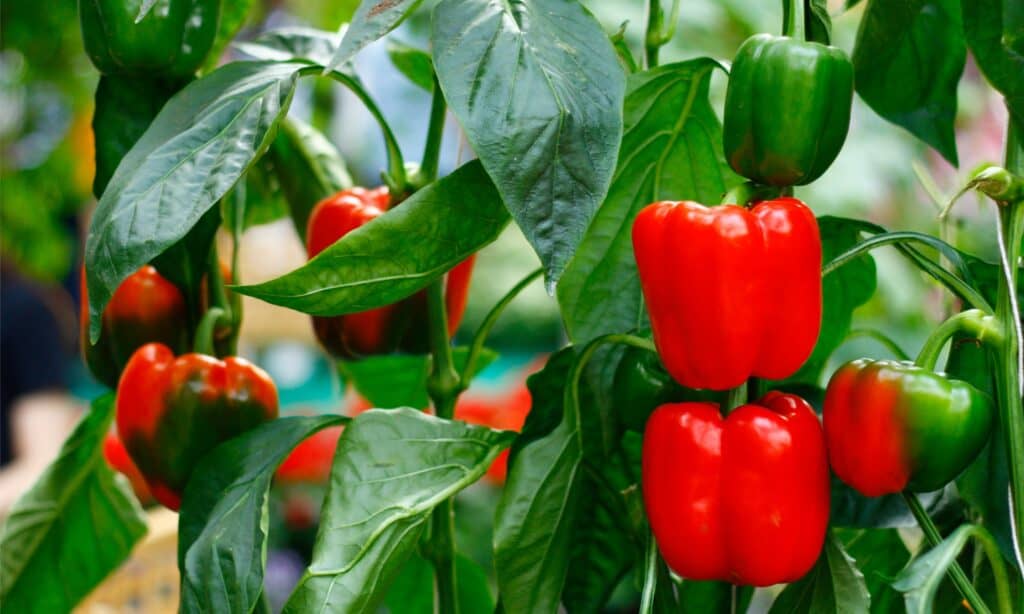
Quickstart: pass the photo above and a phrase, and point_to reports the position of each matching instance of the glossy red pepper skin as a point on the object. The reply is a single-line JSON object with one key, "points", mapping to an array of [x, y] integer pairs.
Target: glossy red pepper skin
{"points": [[731, 292], [743, 499], [171, 411], [145, 308], [400, 327]]}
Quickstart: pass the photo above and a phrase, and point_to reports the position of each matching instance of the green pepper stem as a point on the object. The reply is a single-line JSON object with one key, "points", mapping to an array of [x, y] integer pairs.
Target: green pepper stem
{"points": [[735, 398], [435, 133], [973, 322], [794, 24], [934, 538], [480, 338], [203, 343], [443, 387]]}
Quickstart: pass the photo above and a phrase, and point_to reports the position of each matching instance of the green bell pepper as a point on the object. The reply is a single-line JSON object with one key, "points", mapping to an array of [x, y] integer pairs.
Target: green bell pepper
{"points": [[787, 109]]}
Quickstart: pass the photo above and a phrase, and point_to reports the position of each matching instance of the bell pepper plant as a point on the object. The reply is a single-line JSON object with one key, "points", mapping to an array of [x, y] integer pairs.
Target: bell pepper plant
{"points": [[669, 455]]}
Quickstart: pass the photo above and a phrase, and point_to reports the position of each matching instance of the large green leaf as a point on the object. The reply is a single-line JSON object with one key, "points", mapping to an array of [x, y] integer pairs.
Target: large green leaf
{"points": [[545, 550], [400, 380], [920, 581], [671, 149], [833, 585], [392, 468], [222, 542], [538, 90], [907, 62], [308, 168], [197, 148], [995, 33], [75, 525], [880, 555], [292, 43], [396, 254], [372, 20]]}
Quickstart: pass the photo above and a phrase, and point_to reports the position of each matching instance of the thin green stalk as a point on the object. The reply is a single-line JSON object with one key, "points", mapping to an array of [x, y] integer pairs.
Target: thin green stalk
{"points": [[435, 133], [480, 338], [955, 572], [1010, 357], [973, 322], [443, 387], [207, 329], [794, 26], [650, 577], [735, 398], [652, 39], [900, 239], [395, 177], [995, 561]]}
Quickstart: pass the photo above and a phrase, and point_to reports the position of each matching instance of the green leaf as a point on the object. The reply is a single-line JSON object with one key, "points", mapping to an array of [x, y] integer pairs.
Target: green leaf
{"points": [[396, 254], [75, 525], [833, 585], [995, 33], [842, 292], [414, 63], [907, 62], [263, 200], [392, 468], [308, 167], [413, 590], [921, 579], [671, 149], [539, 533], [880, 555], [232, 18], [538, 89], [200, 144], [817, 22], [373, 19], [292, 43], [851, 509], [222, 542], [185, 263], [400, 380]]}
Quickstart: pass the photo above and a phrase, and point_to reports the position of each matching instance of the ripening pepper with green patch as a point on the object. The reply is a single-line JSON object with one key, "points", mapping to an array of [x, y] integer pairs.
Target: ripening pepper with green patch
{"points": [[893, 426], [171, 411], [787, 109], [171, 41], [399, 327]]}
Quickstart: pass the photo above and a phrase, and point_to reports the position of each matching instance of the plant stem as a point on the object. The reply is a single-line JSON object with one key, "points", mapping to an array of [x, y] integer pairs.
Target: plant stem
{"points": [[734, 398], [1009, 359], [435, 132], [652, 39], [956, 573], [650, 576], [794, 26], [204, 339], [443, 387], [973, 322], [395, 177], [480, 338]]}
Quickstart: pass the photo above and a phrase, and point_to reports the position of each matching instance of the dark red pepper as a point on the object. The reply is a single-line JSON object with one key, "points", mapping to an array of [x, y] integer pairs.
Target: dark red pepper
{"points": [[400, 327]]}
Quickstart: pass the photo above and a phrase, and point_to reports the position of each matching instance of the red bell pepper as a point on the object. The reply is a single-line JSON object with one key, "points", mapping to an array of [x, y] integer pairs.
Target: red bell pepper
{"points": [[401, 326], [144, 308], [172, 411], [731, 292], [742, 499]]}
